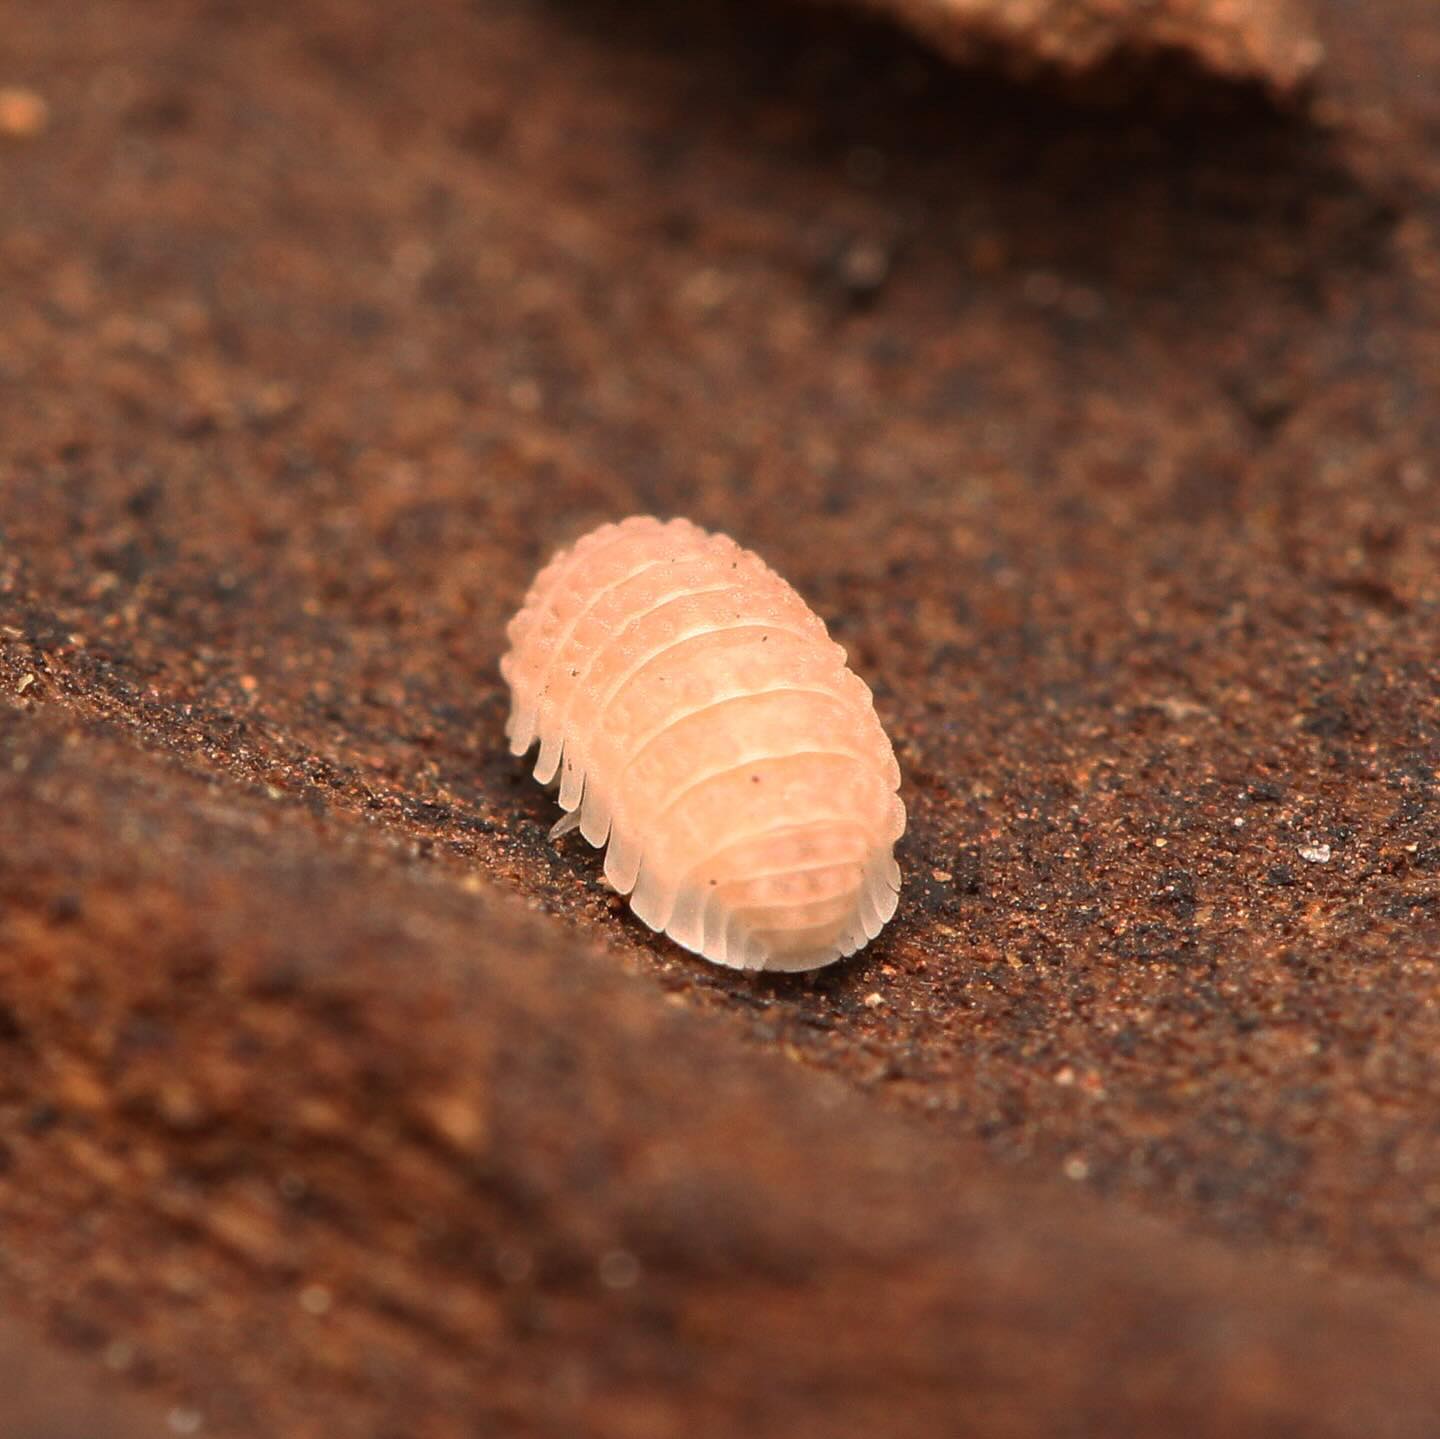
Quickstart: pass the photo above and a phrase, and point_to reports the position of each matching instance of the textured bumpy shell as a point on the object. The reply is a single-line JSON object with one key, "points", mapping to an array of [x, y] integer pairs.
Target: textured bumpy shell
{"points": [[700, 720]]}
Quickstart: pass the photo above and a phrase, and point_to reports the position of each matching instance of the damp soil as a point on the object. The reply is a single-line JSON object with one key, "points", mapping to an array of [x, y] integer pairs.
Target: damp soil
{"points": [[1100, 419]]}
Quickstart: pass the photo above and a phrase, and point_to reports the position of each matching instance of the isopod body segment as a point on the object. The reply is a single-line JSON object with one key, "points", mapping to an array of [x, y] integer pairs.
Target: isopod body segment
{"points": [[703, 726]]}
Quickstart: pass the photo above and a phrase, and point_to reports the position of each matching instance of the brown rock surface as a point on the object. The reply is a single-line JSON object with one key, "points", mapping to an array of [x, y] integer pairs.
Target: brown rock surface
{"points": [[1107, 440]]}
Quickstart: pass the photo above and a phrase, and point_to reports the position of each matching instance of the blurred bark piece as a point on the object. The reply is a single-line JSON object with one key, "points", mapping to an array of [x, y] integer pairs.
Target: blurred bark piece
{"points": [[46, 1396], [1269, 42]]}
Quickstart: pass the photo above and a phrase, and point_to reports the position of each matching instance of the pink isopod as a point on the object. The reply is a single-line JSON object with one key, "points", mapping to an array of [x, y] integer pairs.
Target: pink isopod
{"points": [[703, 725]]}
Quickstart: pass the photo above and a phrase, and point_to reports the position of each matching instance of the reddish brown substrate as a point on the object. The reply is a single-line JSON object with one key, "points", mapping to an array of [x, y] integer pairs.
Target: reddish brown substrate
{"points": [[1106, 440]]}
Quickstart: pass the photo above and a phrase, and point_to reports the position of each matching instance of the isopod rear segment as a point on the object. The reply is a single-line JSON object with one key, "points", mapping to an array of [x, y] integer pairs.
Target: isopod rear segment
{"points": [[702, 726]]}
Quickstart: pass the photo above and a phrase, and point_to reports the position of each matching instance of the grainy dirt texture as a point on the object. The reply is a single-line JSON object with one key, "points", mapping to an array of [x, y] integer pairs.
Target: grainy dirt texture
{"points": [[336, 1101], [1270, 42]]}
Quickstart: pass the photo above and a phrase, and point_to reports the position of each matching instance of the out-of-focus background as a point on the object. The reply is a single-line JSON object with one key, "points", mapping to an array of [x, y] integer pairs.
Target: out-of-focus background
{"points": [[1080, 362]]}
